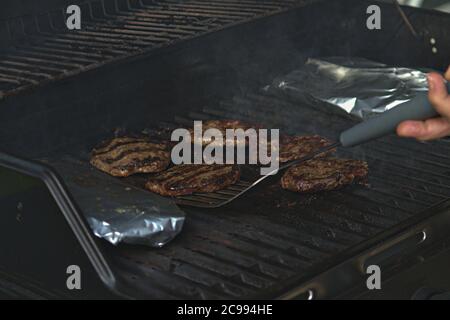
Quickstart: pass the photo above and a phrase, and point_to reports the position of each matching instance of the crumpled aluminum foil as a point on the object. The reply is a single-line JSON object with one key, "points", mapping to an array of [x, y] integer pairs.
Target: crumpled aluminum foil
{"points": [[358, 86], [116, 211]]}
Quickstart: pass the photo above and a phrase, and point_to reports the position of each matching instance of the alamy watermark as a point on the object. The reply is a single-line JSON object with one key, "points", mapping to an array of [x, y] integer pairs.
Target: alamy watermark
{"points": [[373, 22], [213, 147], [73, 281], [374, 280], [73, 21]]}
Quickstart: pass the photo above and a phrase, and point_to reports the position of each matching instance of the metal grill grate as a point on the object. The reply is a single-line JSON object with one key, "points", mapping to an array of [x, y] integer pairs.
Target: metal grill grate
{"points": [[259, 244], [214, 199], [42, 49]]}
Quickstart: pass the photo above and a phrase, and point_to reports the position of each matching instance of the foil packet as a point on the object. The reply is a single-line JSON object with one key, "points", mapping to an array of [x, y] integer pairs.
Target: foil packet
{"points": [[117, 211], [358, 86]]}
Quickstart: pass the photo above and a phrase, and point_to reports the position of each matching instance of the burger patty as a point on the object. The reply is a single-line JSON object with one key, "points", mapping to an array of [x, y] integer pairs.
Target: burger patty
{"points": [[323, 174], [222, 126], [297, 147], [186, 179], [124, 156]]}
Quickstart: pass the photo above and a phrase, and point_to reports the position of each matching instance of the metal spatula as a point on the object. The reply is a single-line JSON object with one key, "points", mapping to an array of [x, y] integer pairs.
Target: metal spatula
{"points": [[418, 108]]}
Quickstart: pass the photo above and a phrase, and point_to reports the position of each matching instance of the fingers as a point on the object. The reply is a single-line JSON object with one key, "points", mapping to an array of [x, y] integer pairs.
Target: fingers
{"points": [[432, 128], [425, 130], [438, 94]]}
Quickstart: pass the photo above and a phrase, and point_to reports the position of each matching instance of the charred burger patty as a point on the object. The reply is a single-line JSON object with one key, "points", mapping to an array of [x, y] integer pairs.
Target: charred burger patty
{"points": [[222, 126], [323, 174], [186, 179], [296, 147], [124, 156]]}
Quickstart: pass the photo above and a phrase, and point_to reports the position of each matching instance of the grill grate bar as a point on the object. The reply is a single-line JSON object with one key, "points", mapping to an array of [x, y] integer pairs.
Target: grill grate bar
{"points": [[367, 204], [438, 189], [250, 248], [27, 66], [142, 33], [173, 284], [241, 255], [130, 21], [168, 14], [188, 11], [394, 201], [227, 270], [75, 42], [395, 170], [256, 5], [434, 160], [214, 8], [7, 80], [368, 219], [13, 71], [390, 156], [409, 191], [200, 272], [156, 34], [127, 37], [38, 60], [372, 154], [286, 238], [16, 79], [412, 146], [61, 53]]}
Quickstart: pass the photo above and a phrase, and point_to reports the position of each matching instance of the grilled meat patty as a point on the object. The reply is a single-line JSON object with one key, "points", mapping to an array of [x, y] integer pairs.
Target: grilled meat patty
{"points": [[323, 174], [296, 147], [222, 125], [124, 156], [186, 179]]}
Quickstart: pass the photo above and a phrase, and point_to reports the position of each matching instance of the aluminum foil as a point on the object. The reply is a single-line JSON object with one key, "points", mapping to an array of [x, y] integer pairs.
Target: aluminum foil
{"points": [[116, 211], [357, 86]]}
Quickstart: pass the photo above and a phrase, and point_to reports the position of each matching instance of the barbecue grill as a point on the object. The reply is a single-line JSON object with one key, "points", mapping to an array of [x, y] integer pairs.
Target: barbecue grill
{"points": [[139, 65]]}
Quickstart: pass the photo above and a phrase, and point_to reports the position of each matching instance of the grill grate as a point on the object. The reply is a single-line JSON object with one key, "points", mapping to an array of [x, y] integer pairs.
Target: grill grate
{"points": [[253, 246], [214, 199], [42, 49]]}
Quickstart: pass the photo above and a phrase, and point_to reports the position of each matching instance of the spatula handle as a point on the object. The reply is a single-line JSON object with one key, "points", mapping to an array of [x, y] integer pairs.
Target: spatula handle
{"points": [[418, 108]]}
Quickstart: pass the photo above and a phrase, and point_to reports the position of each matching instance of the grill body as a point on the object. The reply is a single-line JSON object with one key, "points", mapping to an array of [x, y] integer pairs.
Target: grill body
{"points": [[146, 64]]}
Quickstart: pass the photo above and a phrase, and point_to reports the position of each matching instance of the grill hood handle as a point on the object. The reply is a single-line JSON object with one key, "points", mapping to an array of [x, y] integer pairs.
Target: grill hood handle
{"points": [[418, 108]]}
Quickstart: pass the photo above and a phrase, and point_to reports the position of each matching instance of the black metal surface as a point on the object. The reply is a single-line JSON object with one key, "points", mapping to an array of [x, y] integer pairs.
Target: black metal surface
{"points": [[42, 49], [272, 240]]}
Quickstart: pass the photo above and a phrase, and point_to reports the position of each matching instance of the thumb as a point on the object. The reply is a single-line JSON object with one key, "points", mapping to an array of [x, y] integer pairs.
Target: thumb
{"points": [[438, 94]]}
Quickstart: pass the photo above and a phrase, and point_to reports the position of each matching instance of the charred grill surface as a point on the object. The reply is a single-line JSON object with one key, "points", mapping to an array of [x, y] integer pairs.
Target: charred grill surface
{"points": [[122, 157], [187, 179], [323, 174]]}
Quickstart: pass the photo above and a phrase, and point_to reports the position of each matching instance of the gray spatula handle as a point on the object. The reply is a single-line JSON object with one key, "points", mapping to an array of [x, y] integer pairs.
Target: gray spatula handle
{"points": [[418, 108]]}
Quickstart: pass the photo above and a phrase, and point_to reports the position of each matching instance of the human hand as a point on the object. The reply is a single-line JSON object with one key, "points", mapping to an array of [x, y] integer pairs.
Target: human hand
{"points": [[432, 128]]}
